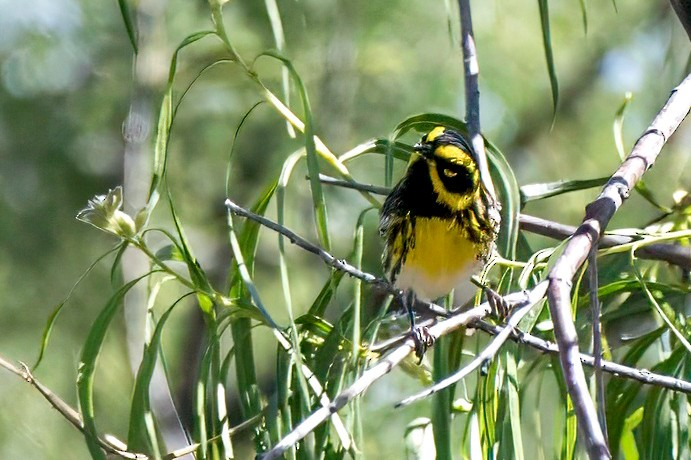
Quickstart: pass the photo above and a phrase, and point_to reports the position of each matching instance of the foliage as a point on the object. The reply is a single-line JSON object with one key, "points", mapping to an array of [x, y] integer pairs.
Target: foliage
{"points": [[282, 334]]}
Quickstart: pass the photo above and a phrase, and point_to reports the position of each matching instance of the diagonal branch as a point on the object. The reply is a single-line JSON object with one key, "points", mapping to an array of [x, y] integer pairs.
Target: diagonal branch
{"points": [[109, 444], [531, 299], [385, 365], [598, 214]]}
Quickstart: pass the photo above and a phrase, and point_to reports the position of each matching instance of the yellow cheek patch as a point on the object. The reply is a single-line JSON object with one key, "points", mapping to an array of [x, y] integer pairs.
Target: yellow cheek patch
{"points": [[453, 201]]}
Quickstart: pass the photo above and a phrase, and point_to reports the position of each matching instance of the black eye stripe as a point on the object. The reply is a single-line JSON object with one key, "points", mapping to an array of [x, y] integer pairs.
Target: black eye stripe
{"points": [[460, 182]]}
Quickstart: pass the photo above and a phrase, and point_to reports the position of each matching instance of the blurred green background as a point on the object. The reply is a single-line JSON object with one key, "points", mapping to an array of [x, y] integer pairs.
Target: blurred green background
{"points": [[78, 114]]}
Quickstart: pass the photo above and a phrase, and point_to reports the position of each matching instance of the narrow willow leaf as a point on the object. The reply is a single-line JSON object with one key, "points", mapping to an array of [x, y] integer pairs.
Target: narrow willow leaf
{"points": [[244, 118], [622, 393], [511, 423], [657, 434], [245, 371], [87, 366], [197, 274], [128, 19], [398, 150], [584, 16], [140, 438], [618, 125], [280, 41], [165, 121], [534, 192], [170, 252], [321, 219], [441, 404], [48, 328], [627, 443], [549, 57]]}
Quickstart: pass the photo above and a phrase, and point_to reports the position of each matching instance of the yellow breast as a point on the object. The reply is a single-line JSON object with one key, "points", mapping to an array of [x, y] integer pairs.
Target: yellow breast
{"points": [[441, 259]]}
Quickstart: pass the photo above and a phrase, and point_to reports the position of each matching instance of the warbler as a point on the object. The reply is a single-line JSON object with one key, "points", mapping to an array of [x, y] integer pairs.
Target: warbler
{"points": [[439, 223]]}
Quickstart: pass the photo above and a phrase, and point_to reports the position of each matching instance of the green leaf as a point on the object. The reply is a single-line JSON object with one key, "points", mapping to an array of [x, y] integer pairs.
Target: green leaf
{"points": [[399, 150], [165, 122], [534, 192], [279, 39], [547, 43], [656, 428], [441, 403], [584, 16], [197, 274], [511, 442], [128, 19], [140, 437], [618, 125], [170, 252], [87, 366], [319, 203], [48, 328], [627, 443]]}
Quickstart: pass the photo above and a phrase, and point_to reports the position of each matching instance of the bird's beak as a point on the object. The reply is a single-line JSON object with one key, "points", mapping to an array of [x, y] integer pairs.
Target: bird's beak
{"points": [[423, 149]]}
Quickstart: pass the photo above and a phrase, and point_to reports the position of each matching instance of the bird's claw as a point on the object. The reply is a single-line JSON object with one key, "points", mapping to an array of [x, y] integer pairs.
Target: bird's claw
{"points": [[423, 341]]}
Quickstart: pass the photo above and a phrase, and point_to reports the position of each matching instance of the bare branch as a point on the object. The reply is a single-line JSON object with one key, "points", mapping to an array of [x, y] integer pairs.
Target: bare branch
{"points": [[330, 260], [598, 215], [384, 366], [670, 253], [521, 309], [471, 70], [595, 310], [111, 445], [643, 376]]}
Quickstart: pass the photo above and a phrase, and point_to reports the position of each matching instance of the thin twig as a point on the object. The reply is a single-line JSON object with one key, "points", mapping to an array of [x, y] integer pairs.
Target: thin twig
{"points": [[671, 253], [471, 70], [68, 412], [376, 189], [521, 309], [598, 215], [378, 370], [643, 376], [330, 260]]}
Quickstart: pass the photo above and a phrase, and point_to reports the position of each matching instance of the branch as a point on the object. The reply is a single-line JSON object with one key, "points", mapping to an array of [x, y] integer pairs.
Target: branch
{"points": [[643, 376], [111, 445], [384, 366], [530, 300], [670, 253], [330, 260], [598, 214], [471, 70]]}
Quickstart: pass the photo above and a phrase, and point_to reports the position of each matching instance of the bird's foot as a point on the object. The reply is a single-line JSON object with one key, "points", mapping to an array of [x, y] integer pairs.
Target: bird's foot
{"points": [[423, 341]]}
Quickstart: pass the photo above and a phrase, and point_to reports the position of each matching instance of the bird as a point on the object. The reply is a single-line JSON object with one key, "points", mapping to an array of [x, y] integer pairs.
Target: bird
{"points": [[439, 224]]}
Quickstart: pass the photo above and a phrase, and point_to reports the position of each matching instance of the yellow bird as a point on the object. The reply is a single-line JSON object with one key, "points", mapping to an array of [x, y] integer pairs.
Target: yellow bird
{"points": [[439, 223]]}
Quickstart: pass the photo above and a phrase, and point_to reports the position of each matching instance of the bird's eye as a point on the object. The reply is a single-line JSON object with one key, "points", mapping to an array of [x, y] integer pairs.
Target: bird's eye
{"points": [[449, 173]]}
